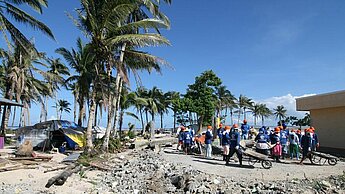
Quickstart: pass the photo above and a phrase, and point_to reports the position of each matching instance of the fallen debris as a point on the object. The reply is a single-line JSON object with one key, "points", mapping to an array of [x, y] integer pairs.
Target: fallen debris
{"points": [[16, 167], [61, 178], [55, 169]]}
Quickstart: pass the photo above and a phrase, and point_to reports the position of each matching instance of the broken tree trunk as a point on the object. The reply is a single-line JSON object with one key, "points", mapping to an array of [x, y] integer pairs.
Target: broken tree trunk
{"points": [[61, 178]]}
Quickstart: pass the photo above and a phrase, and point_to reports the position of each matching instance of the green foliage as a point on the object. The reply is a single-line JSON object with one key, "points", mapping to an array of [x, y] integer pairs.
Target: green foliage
{"points": [[201, 97], [115, 144], [131, 134]]}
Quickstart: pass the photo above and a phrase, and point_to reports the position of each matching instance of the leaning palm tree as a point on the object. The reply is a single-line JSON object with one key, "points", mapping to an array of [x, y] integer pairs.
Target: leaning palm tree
{"points": [[62, 106], [13, 9], [280, 113]]}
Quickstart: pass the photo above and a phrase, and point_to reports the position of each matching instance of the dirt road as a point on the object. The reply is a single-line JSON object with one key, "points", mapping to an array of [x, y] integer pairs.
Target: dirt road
{"points": [[280, 171]]}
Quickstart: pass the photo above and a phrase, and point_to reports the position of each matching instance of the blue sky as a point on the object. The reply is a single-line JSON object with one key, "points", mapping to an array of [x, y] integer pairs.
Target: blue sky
{"points": [[271, 51]]}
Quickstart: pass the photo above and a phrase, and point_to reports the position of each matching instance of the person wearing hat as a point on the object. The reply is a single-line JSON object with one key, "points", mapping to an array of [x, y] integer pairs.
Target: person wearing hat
{"points": [[220, 131], [235, 138], [294, 144], [315, 139], [187, 141], [275, 141], [225, 142], [245, 129], [306, 144], [284, 140], [262, 142]]}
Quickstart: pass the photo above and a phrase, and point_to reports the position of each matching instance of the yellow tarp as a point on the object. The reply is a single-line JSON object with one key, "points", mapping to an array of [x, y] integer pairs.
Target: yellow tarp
{"points": [[77, 138]]}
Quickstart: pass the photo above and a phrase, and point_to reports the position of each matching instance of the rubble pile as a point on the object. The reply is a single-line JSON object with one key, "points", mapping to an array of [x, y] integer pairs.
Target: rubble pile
{"points": [[147, 172]]}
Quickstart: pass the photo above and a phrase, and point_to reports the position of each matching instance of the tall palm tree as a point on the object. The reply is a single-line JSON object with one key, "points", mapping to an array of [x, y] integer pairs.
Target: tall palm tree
{"points": [[62, 106], [12, 8], [173, 99], [153, 102], [243, 103], [256, 111], [20, 82], [264, 112], [81, 60], [142, 92], [129, 99], [55, 77], [280, 113], [111, 29]]}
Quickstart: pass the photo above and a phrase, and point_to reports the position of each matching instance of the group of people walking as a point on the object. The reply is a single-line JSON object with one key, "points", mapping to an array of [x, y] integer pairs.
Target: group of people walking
{"points": [[280, 143]]}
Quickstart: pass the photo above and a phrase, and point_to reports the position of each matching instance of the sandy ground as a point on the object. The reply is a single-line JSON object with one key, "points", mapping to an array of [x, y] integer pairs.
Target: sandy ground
{"points": [[34, 180], [280, 171]]}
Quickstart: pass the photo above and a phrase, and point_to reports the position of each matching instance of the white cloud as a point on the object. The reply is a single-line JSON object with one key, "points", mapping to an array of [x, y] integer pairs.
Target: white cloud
{"points": [[288, 101]]}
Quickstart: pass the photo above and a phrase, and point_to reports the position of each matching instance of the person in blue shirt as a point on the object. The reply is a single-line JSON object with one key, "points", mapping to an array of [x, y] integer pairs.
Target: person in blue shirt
{"points": [[245, 129], [315, 139], [226, 142], [220, 131], [187, 141], [284, 139], [208, 141], [306, 143], [262, 142], [235, 139]]}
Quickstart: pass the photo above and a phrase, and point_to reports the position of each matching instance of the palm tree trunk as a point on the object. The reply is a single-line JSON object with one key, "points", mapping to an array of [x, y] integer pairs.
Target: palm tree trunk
{"points": [[28, 115], [60, 114], [75, 109], [117, 101], [110, 118], [96, 114], [57, 110], [142, 121], [152, 127], [244, 113], [174, 121], [89, 145], [161, 120], [81, 111], [147, 118], [232, 119], [120, 123], [262, 121], [239, 115]]}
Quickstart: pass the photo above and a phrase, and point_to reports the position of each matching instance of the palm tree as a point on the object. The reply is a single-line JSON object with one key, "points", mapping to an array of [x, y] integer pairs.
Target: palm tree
{"points": [[129, 99], [256, 111], [111, 29], [20, 83], [13, 9], [142, 92], [62, 106], [153, 102], [55, 77], [81, 60], [173, 103], [280, 113], [264, 112], [243, 103]]}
